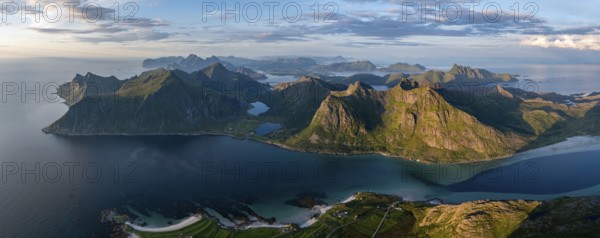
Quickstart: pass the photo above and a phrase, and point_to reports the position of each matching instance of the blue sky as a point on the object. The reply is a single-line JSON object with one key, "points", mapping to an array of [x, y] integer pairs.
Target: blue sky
{"points": [[559, 32]]}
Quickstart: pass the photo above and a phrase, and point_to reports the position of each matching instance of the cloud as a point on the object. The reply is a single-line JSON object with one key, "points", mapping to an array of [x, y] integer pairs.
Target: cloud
{"points": [[132, 35], [579, 42], [385, 22], [85, 10], [140, 29], [382, 43], [360, 26], [94, 21], [386, 28]]}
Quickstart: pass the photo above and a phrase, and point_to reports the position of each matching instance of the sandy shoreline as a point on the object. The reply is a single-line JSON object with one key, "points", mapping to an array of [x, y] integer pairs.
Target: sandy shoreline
{"points": [[324, 209], [191, 220], [187, 222]]}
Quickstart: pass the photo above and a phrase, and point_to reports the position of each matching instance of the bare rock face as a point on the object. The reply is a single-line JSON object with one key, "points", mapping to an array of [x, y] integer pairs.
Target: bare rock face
{"points": [[90, 85]]}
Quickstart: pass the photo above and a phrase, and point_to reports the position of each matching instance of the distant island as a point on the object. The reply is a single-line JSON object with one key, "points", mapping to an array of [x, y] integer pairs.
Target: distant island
{"points": [[194, 63], [462, 115], [297, 66]]}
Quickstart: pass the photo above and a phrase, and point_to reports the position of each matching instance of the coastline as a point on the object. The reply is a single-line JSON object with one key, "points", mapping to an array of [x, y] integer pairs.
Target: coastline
{"points": [[572, 144], [185, 223], [286, 147], [506, 212], [324, 209], [196, 218]]}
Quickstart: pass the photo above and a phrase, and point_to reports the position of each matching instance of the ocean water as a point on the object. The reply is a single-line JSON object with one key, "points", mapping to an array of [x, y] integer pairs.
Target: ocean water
{"points": [[55, 186], [564, 79]]}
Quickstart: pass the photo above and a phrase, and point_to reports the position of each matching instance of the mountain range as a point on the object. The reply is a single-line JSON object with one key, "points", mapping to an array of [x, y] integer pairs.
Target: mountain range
{"points": [[157, 101], [194, 63], [462, 74], [414, 119], [403, 67], [296, 66]]}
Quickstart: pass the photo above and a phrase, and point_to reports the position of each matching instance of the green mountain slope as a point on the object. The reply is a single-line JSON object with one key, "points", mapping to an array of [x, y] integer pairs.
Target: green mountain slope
{"points": [[547, 118], [403, 67], [415, 120], [462, 74], [357, 66], [295, 103], [416, 124], [161, 101]]}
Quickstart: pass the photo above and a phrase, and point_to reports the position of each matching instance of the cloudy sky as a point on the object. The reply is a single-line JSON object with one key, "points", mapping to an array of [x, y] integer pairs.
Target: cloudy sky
{"points": [[469, 32]]}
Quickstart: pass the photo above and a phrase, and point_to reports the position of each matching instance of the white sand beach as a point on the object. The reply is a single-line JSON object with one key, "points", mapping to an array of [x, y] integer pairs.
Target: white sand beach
{"points": [[189, 221]]}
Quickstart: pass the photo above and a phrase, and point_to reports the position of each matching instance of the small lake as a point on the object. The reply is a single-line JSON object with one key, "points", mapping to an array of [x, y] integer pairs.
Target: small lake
{"points": [[258, 108]]}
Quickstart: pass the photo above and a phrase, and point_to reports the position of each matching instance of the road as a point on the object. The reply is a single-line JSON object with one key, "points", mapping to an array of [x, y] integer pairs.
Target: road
{"points": [[383, 219]]}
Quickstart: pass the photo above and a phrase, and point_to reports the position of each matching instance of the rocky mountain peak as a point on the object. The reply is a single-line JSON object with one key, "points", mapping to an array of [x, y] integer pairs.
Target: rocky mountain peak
{"points": [[217, 71]]}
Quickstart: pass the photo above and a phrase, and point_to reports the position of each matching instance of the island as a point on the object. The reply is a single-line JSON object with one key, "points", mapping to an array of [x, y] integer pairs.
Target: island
{"points": [[462, 115]]}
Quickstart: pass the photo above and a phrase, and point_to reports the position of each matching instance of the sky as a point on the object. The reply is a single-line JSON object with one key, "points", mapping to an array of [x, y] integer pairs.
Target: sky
{"points": [[427, 32]]}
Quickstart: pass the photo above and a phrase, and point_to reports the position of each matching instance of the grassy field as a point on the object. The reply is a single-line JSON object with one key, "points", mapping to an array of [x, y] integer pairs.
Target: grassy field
{"points": [[565, 217]]}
